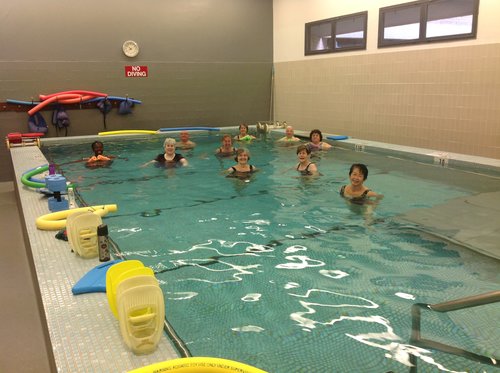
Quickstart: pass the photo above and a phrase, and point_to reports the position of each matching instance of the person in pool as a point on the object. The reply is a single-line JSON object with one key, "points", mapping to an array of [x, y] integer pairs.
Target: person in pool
{"points": [[98, 158], [242, 168], [226, 149], [357, 192], [305, 167], [244, 135], [185, 143], [170, 158], [289, 135], [316, 141]]}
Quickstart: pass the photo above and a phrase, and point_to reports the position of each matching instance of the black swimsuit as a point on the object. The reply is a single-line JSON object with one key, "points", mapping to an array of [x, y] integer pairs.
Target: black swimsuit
{"points": [[222, 153], [305, 171], [172, 163], [252, 169], [358, 199]]}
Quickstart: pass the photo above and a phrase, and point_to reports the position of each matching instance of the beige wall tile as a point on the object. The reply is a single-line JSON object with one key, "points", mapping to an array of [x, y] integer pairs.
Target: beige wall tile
{"points": [[436, 98]]}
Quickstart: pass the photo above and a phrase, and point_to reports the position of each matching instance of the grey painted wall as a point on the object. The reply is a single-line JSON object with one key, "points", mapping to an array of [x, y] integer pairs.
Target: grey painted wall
{"points": [[209, 61]]}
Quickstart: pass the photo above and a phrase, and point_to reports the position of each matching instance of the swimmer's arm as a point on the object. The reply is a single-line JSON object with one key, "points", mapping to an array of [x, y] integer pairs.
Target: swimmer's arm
{"points": [[314, 170], [148, 163], [184, 162], [374, 195], [325, 146]]}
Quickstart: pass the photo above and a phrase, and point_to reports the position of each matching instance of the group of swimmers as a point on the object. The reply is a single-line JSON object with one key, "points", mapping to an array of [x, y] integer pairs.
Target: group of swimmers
{"points": [[356, 191]]}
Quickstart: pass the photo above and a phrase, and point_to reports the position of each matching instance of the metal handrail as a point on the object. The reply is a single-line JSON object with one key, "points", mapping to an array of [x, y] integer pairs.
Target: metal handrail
{"points": [[456, 304], [472, 301]]}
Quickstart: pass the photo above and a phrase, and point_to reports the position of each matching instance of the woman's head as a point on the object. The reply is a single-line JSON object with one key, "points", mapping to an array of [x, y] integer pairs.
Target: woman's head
{"points": [[315, 134], [243, 128], [303, 148], [360, 169], [226, 140], [241, 153], [169, 143]]}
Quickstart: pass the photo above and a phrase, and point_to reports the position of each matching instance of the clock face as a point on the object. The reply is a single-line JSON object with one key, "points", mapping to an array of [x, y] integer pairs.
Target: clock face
{"points": [[130, 48]]}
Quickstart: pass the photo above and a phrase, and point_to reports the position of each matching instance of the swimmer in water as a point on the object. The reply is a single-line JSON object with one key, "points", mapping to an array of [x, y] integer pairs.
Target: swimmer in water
{"points": [[289, 136], [244, 135], [226, 149], [305, 167], [170, 158], [316, 141], [357, 192], [185, 143], [98, 159], [242, 168]]}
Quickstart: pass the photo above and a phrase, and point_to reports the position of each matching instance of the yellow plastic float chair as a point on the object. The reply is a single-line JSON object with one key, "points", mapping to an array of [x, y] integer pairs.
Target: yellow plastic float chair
{"points": [[112, 274], [81, 228], [141, 313], [198, 365], [137, 271]]}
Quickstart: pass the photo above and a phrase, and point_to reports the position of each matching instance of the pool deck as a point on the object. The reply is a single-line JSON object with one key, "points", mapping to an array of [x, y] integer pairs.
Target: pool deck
{"points": [[84, 334]]}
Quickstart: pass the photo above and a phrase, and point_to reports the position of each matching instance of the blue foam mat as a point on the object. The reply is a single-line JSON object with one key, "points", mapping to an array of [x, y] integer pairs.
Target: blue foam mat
{"points": [[339, 137]]}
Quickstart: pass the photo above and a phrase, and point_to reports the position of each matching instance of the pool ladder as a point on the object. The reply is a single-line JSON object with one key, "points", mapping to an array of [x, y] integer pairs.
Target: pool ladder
{"points": [[452, 305]]}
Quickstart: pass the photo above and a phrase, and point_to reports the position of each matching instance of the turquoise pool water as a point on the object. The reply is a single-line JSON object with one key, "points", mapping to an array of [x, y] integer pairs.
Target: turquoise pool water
{"points": [[279, 272]]}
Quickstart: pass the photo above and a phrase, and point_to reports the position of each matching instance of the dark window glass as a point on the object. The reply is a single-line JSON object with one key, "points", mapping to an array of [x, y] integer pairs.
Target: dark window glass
{"points": [[320, 37], [450, 17], [402, 24], [350, 32], [336, 34], [426, 21]]}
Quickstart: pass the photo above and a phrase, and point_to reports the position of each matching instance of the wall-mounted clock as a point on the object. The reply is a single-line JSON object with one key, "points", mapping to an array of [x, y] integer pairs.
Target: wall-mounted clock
{"points": [[130, 48]]}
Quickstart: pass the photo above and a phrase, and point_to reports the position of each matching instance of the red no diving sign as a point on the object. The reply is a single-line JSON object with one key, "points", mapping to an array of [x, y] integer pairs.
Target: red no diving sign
{"points": [[136, 71]]}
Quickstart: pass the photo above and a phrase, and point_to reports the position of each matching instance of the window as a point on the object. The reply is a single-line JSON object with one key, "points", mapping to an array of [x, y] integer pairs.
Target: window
{"points": [[336, 34], [427, 21]]}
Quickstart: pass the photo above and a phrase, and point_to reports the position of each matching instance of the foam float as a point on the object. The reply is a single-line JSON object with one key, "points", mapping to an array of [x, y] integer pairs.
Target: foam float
{"points": [[198, 365], [128, 132], [57, 220]]}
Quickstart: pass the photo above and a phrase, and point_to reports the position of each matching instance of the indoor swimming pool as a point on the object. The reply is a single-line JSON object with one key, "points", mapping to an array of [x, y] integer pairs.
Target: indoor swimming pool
{"points": [[278, 271]]}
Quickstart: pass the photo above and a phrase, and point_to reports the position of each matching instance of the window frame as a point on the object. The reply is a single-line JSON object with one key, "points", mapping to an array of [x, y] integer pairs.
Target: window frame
{"points": [[423, 5], [333, 26]]}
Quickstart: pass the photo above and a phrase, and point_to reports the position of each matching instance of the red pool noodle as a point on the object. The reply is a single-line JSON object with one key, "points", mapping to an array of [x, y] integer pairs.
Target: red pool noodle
{"points": [[76, 91], [75, 100], [48, 101]]}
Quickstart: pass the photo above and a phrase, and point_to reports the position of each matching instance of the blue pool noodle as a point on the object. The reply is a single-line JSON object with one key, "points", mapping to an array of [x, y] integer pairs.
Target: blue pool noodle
{"points": [[189, 129]]}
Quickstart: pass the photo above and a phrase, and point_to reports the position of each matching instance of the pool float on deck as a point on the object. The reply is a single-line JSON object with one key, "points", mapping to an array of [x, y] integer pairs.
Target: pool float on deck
{"points": [[94, 281], [338, 137], [198, 365], [57, 220], [128, 132], [26, 177], [23, 139]]}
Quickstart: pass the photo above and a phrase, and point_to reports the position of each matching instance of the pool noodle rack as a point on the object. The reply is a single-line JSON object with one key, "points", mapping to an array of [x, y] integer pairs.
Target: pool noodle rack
{"points": [[28, 105]]}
